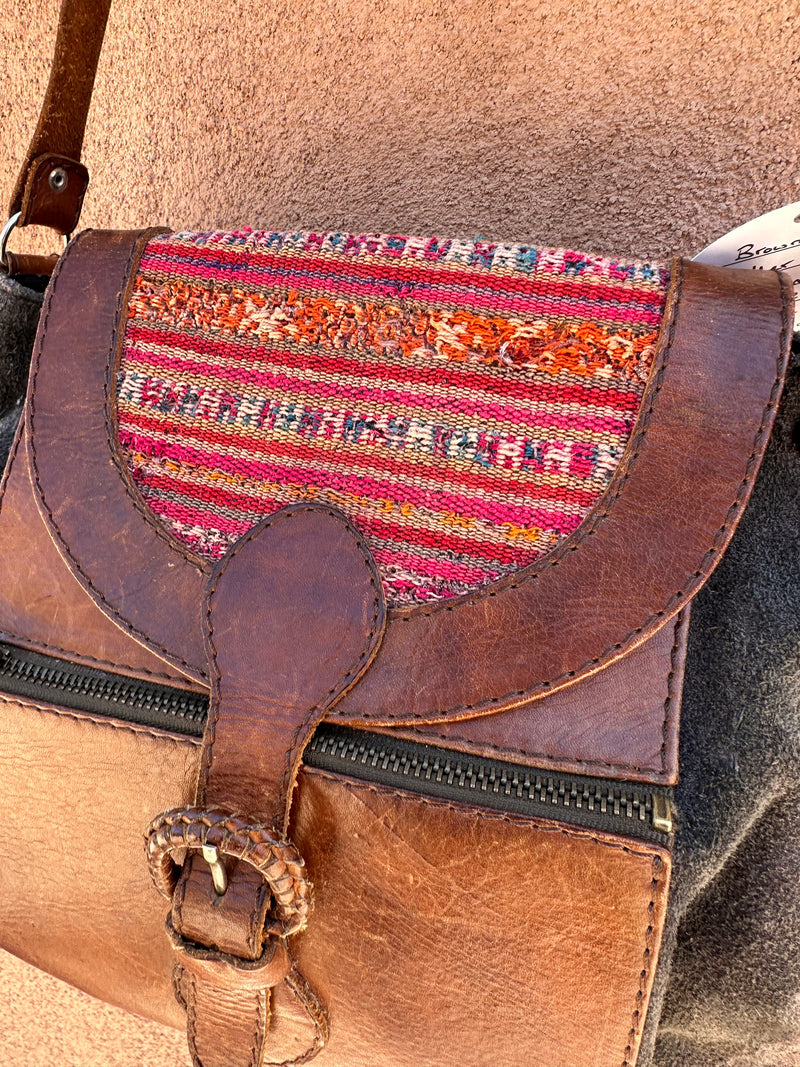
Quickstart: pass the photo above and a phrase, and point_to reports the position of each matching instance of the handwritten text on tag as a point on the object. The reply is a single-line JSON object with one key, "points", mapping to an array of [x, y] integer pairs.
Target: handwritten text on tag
{"points": [[770, 242]]}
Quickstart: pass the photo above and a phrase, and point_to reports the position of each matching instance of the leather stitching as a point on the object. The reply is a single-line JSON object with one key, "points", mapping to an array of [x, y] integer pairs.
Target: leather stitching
{"points": [[44, 645], [591, 525], [315, 712], [191, 1019], [301, 991], [315, 1012], [671, 691], [354, 784], [177, 985], [586, 530], [110, 407], [136, 250], [609, 498], [79, 657], [655, 884], [111, 724], [647, 963], [426, 735], [300, 736], [262, 1024]]}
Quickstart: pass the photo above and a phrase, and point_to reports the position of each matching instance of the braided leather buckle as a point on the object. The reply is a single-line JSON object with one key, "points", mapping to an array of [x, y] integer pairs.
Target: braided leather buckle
{"points": [[273, 856]]}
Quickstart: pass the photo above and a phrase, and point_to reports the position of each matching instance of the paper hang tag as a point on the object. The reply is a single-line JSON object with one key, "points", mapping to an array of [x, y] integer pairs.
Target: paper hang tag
{"points": [[770, 242]]}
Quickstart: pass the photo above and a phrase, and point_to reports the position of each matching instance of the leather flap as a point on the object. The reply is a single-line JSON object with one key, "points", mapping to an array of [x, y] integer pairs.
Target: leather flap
{"points": [[635, 561]]}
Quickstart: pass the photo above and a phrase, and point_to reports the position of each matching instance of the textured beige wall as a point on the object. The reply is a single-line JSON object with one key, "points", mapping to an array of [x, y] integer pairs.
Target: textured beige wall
{"points": [[617, 126], [46, 1023]]}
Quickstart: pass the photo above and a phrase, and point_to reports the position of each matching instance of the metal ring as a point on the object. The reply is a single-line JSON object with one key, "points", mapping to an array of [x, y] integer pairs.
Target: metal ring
{"points": [[273, 856], [7, 230]]}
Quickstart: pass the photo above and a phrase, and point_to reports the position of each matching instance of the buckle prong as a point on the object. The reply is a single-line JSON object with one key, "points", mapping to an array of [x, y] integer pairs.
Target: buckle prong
{"points": [[219, 875], [217, 833]]}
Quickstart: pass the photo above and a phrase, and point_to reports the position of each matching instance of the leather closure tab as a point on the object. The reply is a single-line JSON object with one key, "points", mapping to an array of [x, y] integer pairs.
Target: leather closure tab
{"points": [[294, 615]]}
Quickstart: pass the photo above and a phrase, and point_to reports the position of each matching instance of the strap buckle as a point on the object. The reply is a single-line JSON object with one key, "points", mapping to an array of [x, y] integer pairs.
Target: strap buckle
{"points": [[215, 833]]}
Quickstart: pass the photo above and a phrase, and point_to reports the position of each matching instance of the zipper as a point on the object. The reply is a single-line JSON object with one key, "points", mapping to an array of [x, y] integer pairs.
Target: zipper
{"points": [[635, 809]]}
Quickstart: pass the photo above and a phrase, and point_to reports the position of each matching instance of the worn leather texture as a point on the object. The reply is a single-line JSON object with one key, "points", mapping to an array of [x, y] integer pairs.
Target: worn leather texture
{"points": [[294, 614], [43, 607], [26, 265], [54, 192], [608, 657], [629, 568], [58, 138], [542, 733], [396, 881]]}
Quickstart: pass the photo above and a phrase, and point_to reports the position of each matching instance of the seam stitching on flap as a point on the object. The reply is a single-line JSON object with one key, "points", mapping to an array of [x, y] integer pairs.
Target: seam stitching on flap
{"points": [[670, 692], [109, 405], [136, 249], [561, 757], [112, 724], [677, 598], [45, 646]]}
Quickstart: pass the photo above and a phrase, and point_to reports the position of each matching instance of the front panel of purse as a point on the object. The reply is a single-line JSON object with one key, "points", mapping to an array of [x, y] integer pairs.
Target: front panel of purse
{"points": [[455, 930]]}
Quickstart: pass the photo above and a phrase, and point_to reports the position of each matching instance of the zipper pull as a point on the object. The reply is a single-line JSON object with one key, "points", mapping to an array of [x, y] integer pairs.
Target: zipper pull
{"points": [[662, 813]]}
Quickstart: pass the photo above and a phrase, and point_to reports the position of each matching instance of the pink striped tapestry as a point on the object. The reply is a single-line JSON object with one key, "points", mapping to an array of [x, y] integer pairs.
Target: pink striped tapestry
{"points": [[465, 403]]}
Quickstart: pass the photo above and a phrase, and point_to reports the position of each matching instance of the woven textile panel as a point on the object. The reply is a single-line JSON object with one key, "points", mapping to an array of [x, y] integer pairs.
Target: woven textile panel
{"points": [[465, 403]]}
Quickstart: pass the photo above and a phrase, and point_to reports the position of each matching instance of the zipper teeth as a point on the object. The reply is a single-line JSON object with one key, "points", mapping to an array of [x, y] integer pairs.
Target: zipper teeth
{"points": [[484, 777], [641, 810], [96, 686]]}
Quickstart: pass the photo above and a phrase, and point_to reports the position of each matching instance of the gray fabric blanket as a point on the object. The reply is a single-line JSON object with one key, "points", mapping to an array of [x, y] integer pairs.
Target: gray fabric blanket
{"points": [[728, 985], [729, 978]]}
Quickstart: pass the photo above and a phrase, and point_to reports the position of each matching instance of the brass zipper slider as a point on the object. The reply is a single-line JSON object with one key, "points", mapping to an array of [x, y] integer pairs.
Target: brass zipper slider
{"points": [[662, 813]]}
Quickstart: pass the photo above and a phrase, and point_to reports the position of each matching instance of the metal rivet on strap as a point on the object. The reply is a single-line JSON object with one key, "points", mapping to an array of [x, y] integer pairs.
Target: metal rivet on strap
{"points": [[58, 180]]}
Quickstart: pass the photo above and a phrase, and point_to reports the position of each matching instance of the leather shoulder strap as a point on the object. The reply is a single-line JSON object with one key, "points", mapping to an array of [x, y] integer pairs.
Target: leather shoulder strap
{"points": [[53, 181]]}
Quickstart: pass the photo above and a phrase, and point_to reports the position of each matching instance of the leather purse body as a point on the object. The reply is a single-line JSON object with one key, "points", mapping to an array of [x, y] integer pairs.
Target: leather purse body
{"points": [[346, 582]]}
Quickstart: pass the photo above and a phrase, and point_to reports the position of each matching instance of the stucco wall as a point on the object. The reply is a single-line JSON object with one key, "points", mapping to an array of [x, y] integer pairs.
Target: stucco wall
{"points": [[624, 127], [616, 126]]}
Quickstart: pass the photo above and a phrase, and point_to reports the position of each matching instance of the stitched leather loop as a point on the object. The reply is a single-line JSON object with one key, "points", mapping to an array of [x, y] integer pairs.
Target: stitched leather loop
{"points": [[273, 856], [224, 970], [58, 207], [58, 138]]}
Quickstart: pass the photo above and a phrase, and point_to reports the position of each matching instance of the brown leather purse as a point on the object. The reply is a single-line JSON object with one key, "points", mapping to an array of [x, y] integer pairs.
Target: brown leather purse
{"points": [[351, 574]]}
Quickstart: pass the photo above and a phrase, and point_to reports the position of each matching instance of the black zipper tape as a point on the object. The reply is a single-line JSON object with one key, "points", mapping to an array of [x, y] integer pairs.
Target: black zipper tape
{"points": [[630, 808]]}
